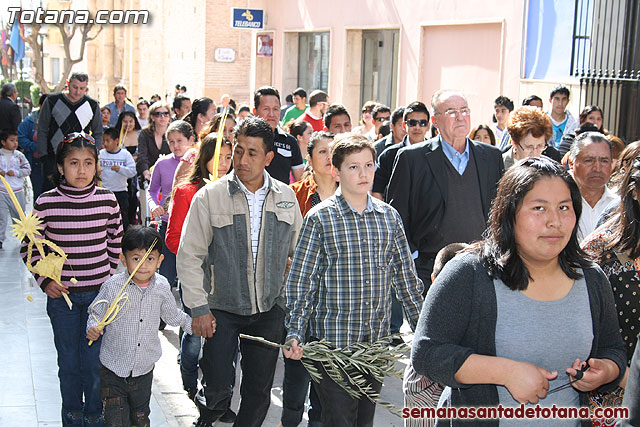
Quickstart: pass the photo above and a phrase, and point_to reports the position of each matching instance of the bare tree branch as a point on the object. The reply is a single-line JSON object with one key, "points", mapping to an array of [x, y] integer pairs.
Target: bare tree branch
{"points": [[67, 35]]}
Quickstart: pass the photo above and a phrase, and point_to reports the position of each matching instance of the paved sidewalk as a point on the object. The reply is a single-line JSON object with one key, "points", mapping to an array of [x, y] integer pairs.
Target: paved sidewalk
{"points": [[29, 389]]}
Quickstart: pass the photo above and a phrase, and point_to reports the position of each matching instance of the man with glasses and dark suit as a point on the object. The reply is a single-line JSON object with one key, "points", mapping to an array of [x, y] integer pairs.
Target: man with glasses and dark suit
{"points": [[443, 187]]}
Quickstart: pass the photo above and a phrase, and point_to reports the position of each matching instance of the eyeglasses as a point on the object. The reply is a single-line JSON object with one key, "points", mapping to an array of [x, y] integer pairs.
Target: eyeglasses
{"points": [[413, 122], [75, 135], [452, 112], [381, 119], [533, 149], [161, 113]]}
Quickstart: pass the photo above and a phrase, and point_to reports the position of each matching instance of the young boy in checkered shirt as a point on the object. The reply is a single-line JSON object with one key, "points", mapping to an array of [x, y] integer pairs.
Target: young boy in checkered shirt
{"points": [[130, 344]]}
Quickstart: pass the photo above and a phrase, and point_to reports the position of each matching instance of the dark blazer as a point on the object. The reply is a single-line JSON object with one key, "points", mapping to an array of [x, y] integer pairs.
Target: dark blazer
{"points": [[382, 144], [9, 114], [384, 168], [418, 185]]}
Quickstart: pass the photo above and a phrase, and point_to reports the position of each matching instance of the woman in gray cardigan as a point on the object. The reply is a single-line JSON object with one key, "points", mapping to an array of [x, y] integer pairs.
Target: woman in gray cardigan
{"points": [[519, 315]]}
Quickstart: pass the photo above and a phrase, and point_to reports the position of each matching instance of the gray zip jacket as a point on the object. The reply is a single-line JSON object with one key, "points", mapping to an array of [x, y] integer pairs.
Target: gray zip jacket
{"points": [[214, 259]]}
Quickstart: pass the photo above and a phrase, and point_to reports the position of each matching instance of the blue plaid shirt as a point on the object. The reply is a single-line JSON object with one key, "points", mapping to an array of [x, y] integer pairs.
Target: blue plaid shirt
{"points": [[343, 269]]}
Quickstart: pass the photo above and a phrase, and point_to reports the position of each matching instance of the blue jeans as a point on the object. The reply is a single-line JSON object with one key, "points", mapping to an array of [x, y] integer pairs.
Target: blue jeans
{"points": [[396, 313], [78, 363], [168, 266], [36, 178], [189, 353]]}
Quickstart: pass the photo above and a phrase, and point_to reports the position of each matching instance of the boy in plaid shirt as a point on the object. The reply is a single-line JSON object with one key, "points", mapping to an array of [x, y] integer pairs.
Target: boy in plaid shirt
{"points": [[131, 345], [351, 255]]}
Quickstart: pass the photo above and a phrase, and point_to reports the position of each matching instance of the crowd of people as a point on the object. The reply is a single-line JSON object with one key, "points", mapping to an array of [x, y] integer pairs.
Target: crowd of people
{"points": [[290, 224]]}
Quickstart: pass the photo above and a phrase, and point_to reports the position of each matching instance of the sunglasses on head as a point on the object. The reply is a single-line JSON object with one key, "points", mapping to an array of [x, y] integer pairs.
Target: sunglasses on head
{"points": [[75, 135]]}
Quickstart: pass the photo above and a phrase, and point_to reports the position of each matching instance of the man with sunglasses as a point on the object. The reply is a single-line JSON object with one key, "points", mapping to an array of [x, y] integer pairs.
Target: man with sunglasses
{"points": [[63, 113], [381, 113], [443, 187], [415, 122]]}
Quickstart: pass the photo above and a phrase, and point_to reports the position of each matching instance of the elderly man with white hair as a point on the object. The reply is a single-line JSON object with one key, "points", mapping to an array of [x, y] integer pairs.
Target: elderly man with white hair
{"points": [[443, 187]]}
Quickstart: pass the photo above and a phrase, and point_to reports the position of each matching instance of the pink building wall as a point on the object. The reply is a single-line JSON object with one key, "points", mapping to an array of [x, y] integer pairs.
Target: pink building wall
{"points": [[474, 45]]}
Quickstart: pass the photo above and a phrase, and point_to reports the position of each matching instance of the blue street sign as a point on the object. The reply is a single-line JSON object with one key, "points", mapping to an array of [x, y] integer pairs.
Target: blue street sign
{"points": [[247, 18]]}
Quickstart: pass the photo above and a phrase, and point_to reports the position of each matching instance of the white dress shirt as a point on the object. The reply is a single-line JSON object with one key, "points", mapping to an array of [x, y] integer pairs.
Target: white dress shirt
{"points": [[255, 202], [591, 215]]}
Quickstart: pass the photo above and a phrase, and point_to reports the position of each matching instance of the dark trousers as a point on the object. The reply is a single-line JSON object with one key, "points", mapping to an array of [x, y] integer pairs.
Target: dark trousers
{"points": [[48, 164], [258, 364], [36, 178], [132, 191], [123, 201], [341, 410], [78, 363], [294, 395], [168, 266], [424, 268], [125, 400]]}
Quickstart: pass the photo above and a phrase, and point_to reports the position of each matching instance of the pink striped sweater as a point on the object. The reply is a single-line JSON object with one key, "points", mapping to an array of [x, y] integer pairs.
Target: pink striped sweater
{"points": [[85, 223]]}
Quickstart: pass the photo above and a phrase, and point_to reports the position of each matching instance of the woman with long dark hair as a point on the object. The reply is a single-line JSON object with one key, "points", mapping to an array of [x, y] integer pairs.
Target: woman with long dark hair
{"points": [[483, 133], [301, 131], [202, 111], [152, 141], [128, 121], [211, 127], [518, 317]]}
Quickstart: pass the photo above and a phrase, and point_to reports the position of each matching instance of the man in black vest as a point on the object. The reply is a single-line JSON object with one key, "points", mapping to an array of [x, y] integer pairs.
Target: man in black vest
{"points": [[443, 187]]}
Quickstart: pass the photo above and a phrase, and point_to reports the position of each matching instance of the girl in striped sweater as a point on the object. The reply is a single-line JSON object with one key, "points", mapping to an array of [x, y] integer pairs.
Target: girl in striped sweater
{"points": [[84, 221]]}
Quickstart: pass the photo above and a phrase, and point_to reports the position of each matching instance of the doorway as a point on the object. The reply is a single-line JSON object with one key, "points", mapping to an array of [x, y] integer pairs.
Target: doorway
{"points": [[379, 66]]}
